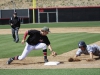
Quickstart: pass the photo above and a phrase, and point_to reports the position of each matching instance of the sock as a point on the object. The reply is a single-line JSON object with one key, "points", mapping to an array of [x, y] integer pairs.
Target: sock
{"points": [[45, 53], [15, 58]]}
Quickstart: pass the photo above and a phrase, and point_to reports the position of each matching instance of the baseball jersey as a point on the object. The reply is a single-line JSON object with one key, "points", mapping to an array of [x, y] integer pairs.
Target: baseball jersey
{"points": [[15, 21], [90, 48], [35, 36]]}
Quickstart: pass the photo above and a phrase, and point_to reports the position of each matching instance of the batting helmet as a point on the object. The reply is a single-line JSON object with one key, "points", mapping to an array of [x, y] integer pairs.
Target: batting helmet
{"points": [[81, 44]]}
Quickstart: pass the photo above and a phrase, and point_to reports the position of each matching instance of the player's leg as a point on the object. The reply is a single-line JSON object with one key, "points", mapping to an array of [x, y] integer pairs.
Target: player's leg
{"points": [[13, 33], [45, 55], [16, 34], [42, 46], [97, 52], [27, 49]]}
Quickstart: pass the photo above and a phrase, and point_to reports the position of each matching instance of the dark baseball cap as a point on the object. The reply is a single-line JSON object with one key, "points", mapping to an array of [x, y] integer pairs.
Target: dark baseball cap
{"points": [[45, 29]]}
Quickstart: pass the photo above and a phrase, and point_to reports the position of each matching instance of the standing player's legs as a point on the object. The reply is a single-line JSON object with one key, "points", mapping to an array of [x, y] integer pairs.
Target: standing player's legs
{"points": [[16, 34], [13, 33]]}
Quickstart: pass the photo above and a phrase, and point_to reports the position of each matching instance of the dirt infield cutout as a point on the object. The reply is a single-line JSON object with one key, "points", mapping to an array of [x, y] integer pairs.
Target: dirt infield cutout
{"points": [[58, 30]]}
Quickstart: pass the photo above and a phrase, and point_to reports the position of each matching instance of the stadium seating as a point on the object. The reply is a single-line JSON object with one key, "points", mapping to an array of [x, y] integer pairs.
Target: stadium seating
{"points": [[23, 4], [67, 3], [19, 4]]}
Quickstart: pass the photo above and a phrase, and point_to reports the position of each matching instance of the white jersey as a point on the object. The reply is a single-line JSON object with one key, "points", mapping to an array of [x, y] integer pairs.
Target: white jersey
{"points": [[90, 48]]}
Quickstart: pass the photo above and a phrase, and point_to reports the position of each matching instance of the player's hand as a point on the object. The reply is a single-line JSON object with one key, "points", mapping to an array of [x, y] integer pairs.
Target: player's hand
{"points": [[23, 41], [53, 53]]}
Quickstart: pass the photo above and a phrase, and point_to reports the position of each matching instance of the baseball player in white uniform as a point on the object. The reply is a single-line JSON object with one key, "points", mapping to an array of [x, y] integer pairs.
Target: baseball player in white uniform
{"points": [[36, 40], [88, 50]]}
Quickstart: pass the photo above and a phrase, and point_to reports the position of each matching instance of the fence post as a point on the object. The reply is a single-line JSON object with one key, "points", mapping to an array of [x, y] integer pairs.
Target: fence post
{"points": [[38, 16], [28, 15], [47, 17], [0, 13], [57, 15], [14, 5]]}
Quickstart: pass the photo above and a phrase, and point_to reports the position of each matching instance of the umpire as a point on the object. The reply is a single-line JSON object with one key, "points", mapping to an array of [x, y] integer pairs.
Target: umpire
{"points": [[15, 25]]}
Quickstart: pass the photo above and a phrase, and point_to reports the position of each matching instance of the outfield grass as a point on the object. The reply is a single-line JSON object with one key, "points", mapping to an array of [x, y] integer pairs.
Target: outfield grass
{"points": [[51, 72], [61, 43], [66, 24]]}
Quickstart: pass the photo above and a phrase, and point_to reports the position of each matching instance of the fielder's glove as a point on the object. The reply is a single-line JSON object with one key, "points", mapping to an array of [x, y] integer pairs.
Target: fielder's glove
{"points": [[70, 59], [53, 53], [73, 59]]}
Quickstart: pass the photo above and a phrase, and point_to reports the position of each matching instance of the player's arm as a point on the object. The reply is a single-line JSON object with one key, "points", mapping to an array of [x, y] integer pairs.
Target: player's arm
{"points": [[19, 22], [24, 37], [48, 44], [75, 56], [50, 48], [91, 55], [53, 53], [11, 21], [78, 53]]}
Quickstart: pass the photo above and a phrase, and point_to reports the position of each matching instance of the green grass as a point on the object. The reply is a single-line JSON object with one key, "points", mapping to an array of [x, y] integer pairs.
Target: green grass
{"points": [[51, 72], [65, 24], [61, 43]]}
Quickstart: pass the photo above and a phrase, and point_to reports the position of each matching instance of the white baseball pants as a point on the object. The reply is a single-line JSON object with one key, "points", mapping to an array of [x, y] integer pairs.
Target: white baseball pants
{"points": [[29, 48]]}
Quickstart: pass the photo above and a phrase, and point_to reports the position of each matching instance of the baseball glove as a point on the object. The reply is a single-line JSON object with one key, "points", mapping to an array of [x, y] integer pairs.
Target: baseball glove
{"points": [[53, 53], [73, 59], [70, 59]]}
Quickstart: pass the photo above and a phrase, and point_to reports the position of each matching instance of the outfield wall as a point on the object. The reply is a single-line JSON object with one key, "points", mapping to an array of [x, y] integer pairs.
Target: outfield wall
{"points": [[5, 15], [67, 14], [46, 15]]}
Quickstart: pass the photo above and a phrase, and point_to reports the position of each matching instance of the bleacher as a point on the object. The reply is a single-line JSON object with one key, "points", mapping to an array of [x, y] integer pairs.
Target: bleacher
{"points": [[67, 3], [19, 4], [24, 4]]}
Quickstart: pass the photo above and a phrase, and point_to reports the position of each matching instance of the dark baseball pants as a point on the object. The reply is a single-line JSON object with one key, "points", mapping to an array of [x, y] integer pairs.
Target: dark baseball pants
{"points": [[15, 34]]}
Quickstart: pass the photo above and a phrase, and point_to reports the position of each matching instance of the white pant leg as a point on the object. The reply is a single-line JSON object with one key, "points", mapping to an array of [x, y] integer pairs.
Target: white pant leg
{"points": [[27, 49], [42, 46]]}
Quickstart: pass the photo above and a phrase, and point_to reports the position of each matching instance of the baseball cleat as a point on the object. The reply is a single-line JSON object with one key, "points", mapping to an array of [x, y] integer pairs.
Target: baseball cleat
{"points": [[9, 61], [45, 60]]}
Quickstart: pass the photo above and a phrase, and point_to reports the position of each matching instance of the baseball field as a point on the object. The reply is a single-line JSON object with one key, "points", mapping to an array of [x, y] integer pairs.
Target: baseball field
{"points": [[64, 39]]}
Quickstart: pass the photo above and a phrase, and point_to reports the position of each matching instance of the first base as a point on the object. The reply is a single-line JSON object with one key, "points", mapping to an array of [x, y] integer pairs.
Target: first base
{"points": [[52, 63]]}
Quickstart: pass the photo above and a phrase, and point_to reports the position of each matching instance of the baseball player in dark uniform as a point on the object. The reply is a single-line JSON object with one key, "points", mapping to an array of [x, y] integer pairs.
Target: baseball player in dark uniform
{"points": [[36, 40], [15, 25]]}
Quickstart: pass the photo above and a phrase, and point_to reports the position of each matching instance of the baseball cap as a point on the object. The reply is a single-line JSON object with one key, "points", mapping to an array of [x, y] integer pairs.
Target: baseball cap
{"points": [[45, 29]]}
